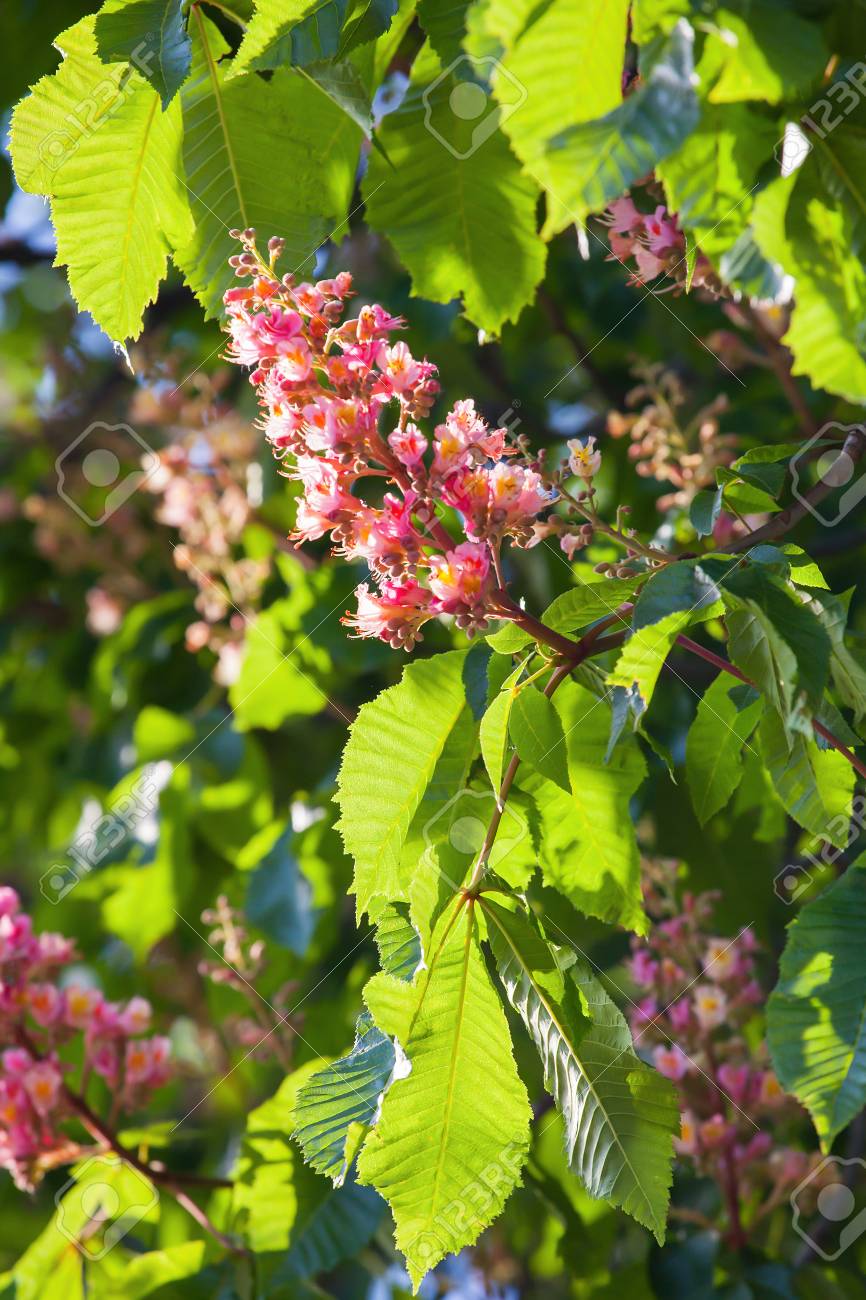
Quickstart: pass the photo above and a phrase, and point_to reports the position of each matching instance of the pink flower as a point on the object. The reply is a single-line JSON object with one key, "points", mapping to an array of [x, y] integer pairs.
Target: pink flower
{"points": [[644, 1013], [710, 1006], [672, 1062], [571, 542], [395, 615], [623, 216], [735, 1080], [661, 230], [408, 445], [584, 458], [648, 264], [680, 1015], [714, 1132], [135, 1017], [687, 1142], [42, 1083], [105, 1060], [9, 901], [294, 360], [400, 368], [44, 1003], [458, 580], [721, 959], [16, 1061], [643, 969], [81, 1003]]}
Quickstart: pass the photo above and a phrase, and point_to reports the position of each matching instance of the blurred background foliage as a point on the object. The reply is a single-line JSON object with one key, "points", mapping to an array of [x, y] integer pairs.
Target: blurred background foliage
{"points": [[129, 644]]}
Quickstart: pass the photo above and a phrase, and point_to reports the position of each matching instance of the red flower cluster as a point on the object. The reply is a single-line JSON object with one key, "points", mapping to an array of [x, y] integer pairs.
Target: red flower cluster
{"points": [[344, 402], [38, 1017]]}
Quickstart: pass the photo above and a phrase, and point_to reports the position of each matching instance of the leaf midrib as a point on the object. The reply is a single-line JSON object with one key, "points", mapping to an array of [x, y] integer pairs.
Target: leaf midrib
{"points": [[217, 95]]}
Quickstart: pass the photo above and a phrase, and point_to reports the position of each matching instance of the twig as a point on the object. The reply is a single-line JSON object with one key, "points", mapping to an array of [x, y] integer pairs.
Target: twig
{"points": [[712, 658]]}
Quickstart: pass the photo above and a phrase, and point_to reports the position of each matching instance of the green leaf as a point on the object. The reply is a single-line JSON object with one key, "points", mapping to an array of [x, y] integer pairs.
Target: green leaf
{"points": [[537, 733], [770, 55], [494, 736], [715, 745], [620, 1115], [815, 785], [540, 95], [777, 640], [295, 32], [118, 200], [594, 162], [710, 179], [798, 223], [294, 1220], [279, 897], [682, 588], [444, 22], [345, 1093], [704, 510], [437, 1135], [815, 1016], [590, 601], [644, 653], [508, 639], [588, 848], [151, 34], [343, 84], [229, 127], [847, 671], [462, 210], [349, 1091], [47, 125], [388, 763]]}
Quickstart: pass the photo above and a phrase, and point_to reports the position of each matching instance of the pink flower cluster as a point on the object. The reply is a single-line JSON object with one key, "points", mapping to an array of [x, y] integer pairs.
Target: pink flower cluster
{"points": [[699, 993], [343, 403], [654, 241], [38, 1018]]}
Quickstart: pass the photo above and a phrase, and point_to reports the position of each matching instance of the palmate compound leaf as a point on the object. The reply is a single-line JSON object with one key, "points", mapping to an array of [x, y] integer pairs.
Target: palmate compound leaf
{"points": [[388, 763], [110, 161], [620, 1115], [816, 1027], [349, 1091], [232, 129], [453, 1135]]}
